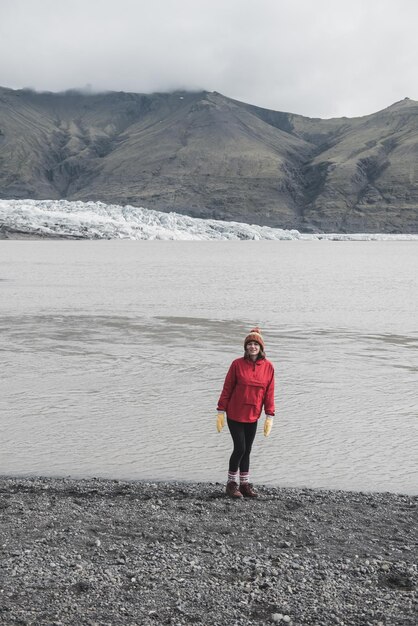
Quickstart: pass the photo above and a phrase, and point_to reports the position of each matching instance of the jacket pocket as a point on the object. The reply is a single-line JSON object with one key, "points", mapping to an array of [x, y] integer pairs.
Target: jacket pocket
{"points": [[253, 394]]}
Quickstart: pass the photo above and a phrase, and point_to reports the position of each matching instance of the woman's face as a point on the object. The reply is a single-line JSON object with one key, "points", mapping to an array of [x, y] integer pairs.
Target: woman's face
{"points": [[253, 348]]}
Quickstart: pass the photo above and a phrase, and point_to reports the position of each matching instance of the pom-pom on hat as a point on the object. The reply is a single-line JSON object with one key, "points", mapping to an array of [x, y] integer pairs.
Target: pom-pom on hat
{"points": [[255, 335]]}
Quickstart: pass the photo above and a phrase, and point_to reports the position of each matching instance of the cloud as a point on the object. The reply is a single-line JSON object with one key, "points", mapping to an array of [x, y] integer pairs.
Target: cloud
{"points": [[323, 58]]}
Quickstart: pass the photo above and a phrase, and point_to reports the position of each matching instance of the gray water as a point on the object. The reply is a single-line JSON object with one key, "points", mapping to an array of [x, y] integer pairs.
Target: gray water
{"points": [[114, 353]]}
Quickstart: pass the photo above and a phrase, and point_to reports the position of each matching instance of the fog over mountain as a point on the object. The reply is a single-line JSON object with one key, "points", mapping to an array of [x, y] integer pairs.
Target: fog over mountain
{"points": [[205, 155]]}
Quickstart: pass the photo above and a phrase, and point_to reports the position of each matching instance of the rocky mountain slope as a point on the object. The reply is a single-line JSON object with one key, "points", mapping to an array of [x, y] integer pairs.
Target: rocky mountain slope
{"points": [[205, 155]]}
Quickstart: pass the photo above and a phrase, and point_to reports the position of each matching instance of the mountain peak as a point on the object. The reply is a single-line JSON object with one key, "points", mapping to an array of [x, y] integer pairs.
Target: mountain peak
{"points": [[402, 104]]}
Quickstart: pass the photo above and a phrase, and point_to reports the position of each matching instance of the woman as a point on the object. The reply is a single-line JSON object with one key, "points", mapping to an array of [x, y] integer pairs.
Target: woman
{"points": [[249, 384]]}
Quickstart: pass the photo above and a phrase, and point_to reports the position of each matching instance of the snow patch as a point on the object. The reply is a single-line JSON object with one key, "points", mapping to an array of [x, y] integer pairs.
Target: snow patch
{"points": [[97, 220]]}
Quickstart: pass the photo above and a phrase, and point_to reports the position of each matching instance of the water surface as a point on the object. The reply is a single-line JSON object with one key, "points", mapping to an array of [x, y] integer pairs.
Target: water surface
{"points": [[114, 352]]}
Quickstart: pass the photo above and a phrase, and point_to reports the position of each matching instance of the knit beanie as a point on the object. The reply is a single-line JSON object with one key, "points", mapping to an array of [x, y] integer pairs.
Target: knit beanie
{"points": [[255, 335]]}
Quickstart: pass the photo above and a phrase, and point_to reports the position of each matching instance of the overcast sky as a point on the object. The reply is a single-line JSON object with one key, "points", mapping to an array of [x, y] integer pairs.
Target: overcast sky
{"points": [[320, 58]]}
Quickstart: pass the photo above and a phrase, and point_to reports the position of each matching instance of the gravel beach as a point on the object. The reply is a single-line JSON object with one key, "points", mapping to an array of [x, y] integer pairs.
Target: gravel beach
{"points": [[102, 552]]}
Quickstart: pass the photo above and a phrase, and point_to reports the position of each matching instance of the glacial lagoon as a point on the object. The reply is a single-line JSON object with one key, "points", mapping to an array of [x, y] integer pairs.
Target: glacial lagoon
{"points": [[114, 354]]}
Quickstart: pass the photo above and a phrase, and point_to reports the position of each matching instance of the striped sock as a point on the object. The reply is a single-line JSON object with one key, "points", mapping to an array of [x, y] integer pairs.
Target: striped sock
{"points": [[233, 477], [244, 477]]}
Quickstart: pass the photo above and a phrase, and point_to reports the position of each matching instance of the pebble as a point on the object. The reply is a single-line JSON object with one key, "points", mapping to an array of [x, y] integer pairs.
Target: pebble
{"points": [[184, 554]]}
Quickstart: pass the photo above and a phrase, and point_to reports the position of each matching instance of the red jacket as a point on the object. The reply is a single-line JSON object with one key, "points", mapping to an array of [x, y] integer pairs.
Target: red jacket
{"points": [[248, 386]]}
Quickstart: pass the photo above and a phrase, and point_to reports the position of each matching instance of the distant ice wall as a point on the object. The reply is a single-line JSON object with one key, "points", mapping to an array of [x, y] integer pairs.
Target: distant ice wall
{"points": [[96, 220]]}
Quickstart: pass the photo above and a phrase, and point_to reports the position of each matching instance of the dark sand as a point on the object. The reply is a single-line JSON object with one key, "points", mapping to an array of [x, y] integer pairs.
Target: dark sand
{"points": [[98, 552]]}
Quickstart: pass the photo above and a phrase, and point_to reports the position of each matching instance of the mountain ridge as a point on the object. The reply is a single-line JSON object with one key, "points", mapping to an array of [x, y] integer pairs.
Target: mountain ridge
{"points": [[206, 155]]}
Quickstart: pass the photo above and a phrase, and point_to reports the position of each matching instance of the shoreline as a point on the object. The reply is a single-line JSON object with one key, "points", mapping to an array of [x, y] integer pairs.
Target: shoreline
{"points": [[99, 551], [61, 480]]}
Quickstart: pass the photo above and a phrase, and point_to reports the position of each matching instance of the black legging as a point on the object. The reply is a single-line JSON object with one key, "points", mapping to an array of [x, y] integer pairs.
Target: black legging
{"points": [[243, 434]]}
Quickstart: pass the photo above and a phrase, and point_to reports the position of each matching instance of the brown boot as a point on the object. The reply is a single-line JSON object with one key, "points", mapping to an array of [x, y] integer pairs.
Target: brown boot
{"points": [[247, 490], [232, 490]]}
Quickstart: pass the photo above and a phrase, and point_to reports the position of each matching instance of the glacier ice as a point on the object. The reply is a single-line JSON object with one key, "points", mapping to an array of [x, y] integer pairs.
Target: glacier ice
{"points": [[97, 220]]}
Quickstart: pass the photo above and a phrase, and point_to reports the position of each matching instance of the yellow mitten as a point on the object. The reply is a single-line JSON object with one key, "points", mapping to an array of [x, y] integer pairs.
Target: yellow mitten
{"points": [[268, 425], [220, 421]]}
